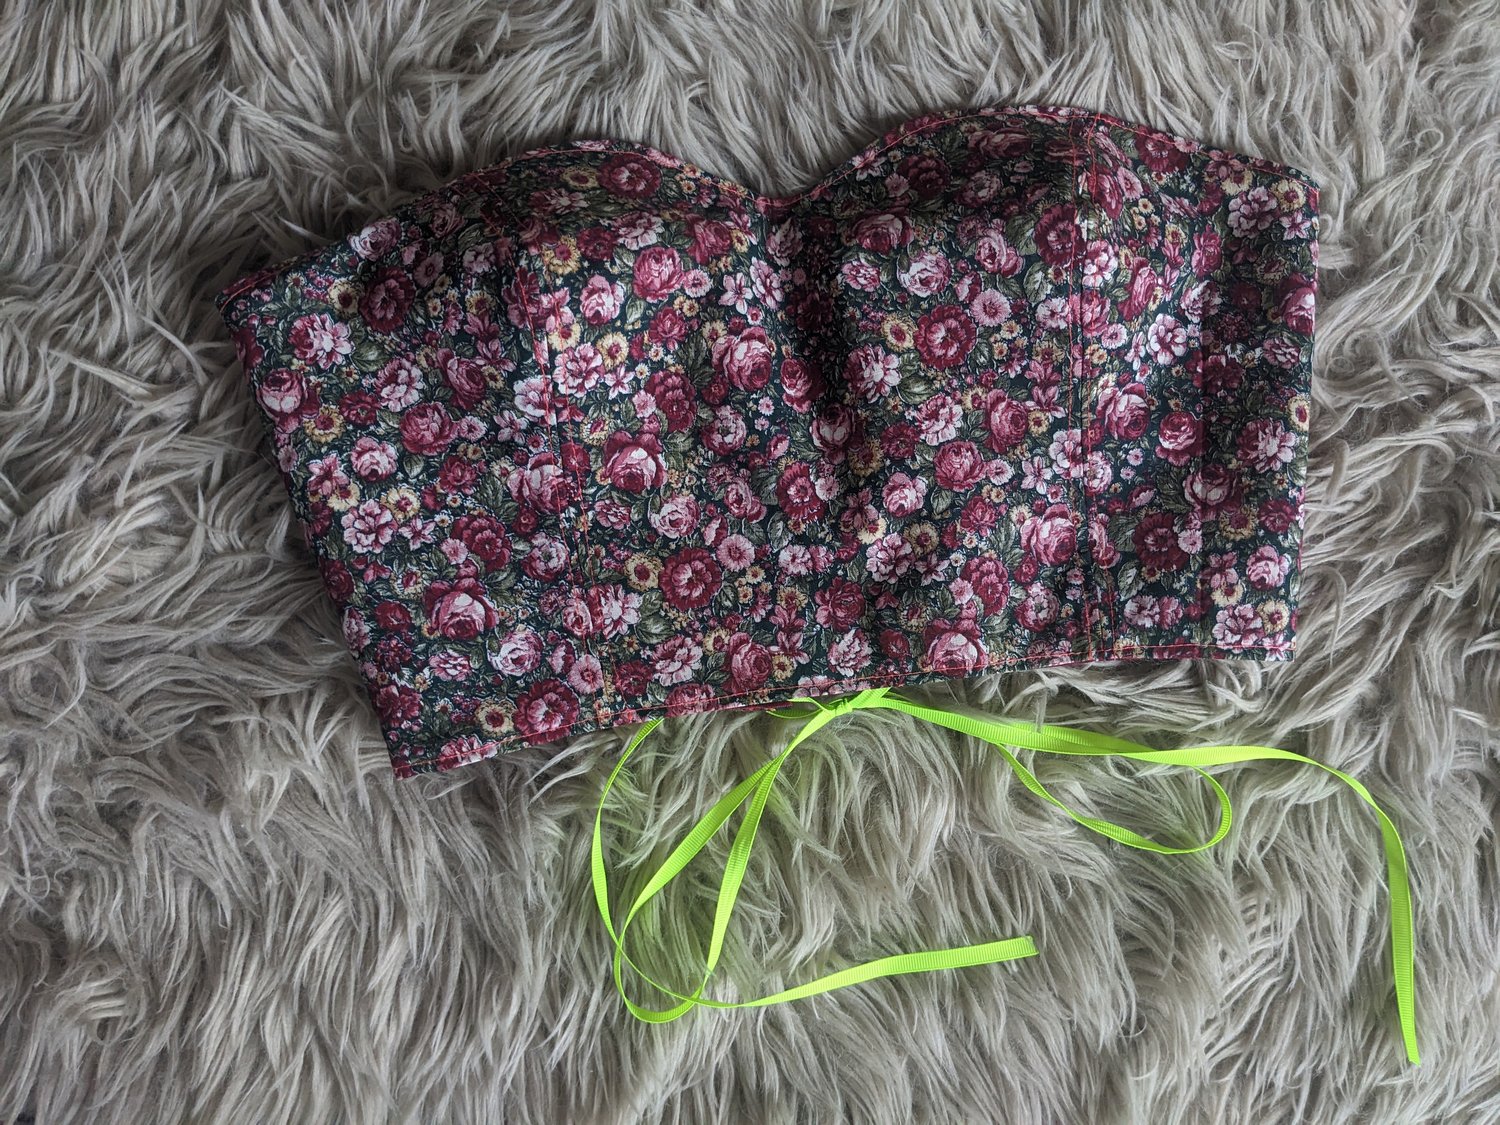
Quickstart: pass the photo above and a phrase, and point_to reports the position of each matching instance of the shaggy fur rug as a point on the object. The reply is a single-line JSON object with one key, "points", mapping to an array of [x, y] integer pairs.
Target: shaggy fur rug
{"points": [[217, 905]]}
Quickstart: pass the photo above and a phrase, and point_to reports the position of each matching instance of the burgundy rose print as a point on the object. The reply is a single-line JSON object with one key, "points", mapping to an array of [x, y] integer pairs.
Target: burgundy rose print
{"points": [[958, 465], [286, 398], [387, 299], [657, 273], [628, 175], [460, 609], [594, 433], [1050, 537], [690, 579], [953, 647], [945, 336], [744, 358], [320, 340], [634, 462], [427, 428], [546, 711]]}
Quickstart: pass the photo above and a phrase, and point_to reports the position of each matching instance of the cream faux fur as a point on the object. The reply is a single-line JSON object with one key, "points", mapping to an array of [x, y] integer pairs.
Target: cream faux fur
{"points": [[217, 906]]}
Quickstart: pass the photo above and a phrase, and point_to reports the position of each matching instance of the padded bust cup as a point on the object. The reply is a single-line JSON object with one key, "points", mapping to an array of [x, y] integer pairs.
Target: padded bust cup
{"points": [[592, 435]]}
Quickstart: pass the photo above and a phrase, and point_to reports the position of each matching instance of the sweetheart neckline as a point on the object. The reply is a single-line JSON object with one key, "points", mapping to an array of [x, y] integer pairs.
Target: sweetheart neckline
{"points": [[890, 138]]}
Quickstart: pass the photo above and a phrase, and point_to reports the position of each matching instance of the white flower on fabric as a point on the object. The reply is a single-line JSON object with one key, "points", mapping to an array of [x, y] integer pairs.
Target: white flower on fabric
{"points": [[1167, 339]]}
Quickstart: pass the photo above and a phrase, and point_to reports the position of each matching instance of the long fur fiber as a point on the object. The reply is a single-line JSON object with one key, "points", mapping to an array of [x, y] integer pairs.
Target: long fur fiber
{"points": [[217, 906]]}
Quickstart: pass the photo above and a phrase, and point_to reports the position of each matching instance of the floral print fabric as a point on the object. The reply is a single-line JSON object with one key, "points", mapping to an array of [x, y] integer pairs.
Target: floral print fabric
{"points": [[592, 435]]}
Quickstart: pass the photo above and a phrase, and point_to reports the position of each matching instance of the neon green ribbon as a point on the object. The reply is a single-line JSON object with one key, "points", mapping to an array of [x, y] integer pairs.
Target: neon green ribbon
{"points": [[1001, 734]]}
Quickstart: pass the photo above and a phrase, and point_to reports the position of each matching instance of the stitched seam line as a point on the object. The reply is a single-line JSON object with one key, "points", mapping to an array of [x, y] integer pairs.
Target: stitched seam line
{"points": [[1074, 307], [541, 356], [589, 568], [1120, 650], [1090, 411]]}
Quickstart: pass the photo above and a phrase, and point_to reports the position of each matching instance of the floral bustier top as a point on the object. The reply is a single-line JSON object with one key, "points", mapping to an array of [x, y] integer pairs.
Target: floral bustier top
{"points": [[592, 435]]}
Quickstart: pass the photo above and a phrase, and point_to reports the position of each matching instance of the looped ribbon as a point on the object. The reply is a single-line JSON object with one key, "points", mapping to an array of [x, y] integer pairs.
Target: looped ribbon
{"points": [[1001, 734]]}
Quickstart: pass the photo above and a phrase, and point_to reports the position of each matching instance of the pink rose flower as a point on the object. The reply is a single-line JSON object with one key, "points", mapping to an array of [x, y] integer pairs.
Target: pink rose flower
{"points": [[386, 301], [952, 648], [1007, 420], [427, 429], [464, 377], [689, 699], [903, 495], [860, 275], [547, 559], [945, 336], [634, 462], [483, 536], [1057, 239], [710, 239], [1251, 211], [674, 396], [1140, 290], [1160, 154], [990, 581], [1222, 374], [578, 369], [460, 609], [1093, 312], [1298, 305], [546, 711], [834, 429], [1207, 252], [543, 484], [1124, 410], [840, 605], [727, 432], [850, 654], [676, 517], [1167, 339], [372, 459], [744, 358], [958, 465], [995, 255], [1211, 489], [318, 338], [600, 299], [397, 704], [668, 327], [1267, 568], [657, 273], [741, 502], [883, 231], [925, 274], [1180, 439], [1038, 609], [628, 175], [517, 653], [690, 579], [748, 662], [1050, 537], [1238, 626], [375, 239], [1158, 543], [368, 526], [796, 494], [1103, 187], [800, 385], [286, 397]]}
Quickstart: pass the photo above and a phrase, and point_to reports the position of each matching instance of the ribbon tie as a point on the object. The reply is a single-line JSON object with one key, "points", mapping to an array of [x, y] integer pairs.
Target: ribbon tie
{"points": [[1001, 734]]}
